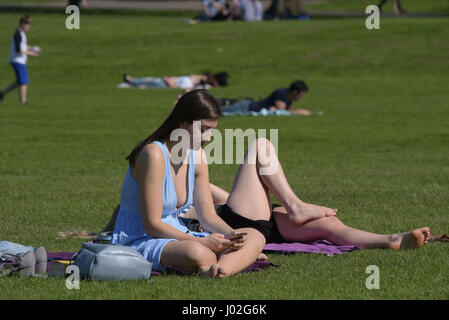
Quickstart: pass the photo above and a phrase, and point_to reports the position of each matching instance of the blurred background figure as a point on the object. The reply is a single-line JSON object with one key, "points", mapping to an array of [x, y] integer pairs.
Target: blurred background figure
{"points": [[214, 10], [206, 80], [19, 52], [279, 99], [286, 9], [397, 9], [250, 10], [78, 3]]}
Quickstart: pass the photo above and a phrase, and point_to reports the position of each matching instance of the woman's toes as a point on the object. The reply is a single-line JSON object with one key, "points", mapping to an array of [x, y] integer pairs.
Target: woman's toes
{"points": [[221, 272]]}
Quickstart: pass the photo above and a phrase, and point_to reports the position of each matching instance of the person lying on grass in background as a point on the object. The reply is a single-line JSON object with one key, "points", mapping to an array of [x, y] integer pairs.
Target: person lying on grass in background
{"points": [[206, 80], [279, 99]]}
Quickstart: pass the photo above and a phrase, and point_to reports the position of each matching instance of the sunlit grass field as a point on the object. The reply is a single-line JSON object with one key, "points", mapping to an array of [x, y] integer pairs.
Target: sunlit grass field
{"points": [[379, 152]]}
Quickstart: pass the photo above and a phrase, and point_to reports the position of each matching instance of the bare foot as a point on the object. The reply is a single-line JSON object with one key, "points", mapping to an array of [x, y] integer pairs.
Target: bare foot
{"points": [[304, 212], [221, 272], [409, 240], [212, 271], [208, 271], [262, 257]]}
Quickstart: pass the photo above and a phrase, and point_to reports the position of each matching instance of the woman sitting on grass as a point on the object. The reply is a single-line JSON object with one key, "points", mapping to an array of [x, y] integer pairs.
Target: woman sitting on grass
{"points": [[158, 194], [160, 186]]}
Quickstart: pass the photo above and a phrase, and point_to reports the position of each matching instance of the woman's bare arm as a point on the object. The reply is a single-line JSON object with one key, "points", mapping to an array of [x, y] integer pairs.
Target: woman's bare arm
{"points": [[301, 112], [203, 201]]}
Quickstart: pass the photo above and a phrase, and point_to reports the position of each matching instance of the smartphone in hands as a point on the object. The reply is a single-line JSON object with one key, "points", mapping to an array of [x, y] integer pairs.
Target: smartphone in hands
{"points": [[237, 237]]}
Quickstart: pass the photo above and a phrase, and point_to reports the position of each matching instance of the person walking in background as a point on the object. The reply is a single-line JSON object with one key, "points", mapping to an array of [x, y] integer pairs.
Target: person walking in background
{"points": [[18, 59]]}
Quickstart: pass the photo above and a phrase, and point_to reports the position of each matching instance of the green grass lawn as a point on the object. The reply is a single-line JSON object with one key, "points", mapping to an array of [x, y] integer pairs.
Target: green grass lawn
{"points": [[379, 153]]}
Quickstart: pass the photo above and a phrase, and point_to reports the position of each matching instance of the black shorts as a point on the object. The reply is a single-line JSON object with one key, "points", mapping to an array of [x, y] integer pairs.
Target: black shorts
{"points": [[267, 228]]}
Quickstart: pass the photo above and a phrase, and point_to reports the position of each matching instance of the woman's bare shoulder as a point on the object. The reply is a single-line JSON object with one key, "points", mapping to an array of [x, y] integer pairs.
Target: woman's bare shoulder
{"points": [[150, 156]]}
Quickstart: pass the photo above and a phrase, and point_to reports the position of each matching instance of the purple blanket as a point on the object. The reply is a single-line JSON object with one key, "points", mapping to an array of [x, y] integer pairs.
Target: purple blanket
{"points": [[256, 266], [319, 246]]}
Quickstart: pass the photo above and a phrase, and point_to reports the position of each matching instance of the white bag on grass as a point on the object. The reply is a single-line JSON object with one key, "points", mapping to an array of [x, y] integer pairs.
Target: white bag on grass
{"points": [[111, 262]]}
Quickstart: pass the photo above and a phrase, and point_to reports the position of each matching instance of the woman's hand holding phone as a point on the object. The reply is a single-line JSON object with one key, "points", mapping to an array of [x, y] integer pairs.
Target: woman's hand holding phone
{"points": [[237, 239], [216, 242]]}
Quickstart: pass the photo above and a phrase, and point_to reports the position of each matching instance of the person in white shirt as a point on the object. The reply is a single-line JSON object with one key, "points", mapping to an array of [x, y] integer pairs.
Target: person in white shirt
{"points": [[206, 80], [18, 59]]}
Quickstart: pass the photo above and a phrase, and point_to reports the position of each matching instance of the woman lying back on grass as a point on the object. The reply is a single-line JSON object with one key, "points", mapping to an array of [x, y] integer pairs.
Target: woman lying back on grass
{"points": [[161, 187]]}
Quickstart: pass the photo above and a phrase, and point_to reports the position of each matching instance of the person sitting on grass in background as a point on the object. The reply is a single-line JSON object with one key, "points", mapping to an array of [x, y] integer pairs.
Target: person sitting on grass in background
{"points": [[206, 80], [20, 50], [279, 99], [216, 10], [286, 9], [251, 10]]}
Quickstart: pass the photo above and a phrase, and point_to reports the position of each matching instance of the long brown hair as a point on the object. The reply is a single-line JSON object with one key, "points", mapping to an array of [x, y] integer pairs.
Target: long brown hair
{"points": [[194, 105]]}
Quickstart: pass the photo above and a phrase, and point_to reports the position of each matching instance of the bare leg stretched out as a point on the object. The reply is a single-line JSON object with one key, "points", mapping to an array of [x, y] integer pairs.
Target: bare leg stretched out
{"points": [[298, 221], [335, 231]]}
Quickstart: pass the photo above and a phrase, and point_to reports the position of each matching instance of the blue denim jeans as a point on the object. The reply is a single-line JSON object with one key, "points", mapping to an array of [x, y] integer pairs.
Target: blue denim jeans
{"points": [[149, 82], [239, 106]]}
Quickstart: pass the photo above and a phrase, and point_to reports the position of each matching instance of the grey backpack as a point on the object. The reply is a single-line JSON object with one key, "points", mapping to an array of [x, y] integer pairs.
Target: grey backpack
{"points": [[111, 262]]}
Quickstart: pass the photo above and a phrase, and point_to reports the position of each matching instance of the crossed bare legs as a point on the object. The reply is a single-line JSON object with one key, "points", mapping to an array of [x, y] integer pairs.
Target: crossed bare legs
{"points": [[192, 256], [298, 221]]}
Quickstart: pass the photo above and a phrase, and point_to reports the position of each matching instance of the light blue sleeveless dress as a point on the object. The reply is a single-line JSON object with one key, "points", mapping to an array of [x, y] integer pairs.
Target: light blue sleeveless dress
{"points": [[129, 230]]}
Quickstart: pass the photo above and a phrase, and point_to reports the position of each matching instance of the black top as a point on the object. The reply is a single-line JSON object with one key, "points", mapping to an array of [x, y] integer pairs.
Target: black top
{"points": [[280, 94]]}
